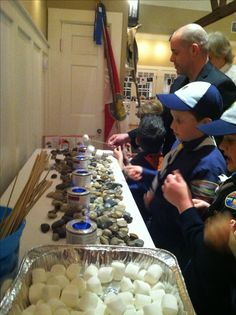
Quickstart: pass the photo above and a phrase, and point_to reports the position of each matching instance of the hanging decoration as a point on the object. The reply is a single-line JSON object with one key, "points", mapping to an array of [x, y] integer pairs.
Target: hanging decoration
{"points": [[132, 58], [116, 108]]}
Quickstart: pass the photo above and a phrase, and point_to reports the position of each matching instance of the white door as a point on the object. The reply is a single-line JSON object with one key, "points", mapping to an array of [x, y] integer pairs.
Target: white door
{"points": [[76, 94], [82, 81]]}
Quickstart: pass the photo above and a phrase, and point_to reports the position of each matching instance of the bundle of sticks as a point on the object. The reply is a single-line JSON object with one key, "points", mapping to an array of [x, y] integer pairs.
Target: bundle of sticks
{"points": [[33, 190]]}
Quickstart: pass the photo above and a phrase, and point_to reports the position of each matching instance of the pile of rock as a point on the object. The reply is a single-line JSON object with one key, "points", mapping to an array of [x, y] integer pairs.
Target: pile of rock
{"points": [[106, 208]]}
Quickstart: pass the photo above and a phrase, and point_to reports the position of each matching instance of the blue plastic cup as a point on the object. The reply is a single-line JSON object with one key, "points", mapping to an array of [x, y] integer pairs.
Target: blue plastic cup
{"points": [[9, 249]]}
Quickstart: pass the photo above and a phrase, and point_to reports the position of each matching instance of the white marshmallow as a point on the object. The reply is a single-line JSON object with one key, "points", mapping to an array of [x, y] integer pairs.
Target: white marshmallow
{"points": [[127, 297], [169, 305], [35, 292], [90, 149], [80, 284], [152, 309], [141, 300], [55, 304], [141, 274], [59, 280], [130, 312], [88, 301], [29, 310], [69, 298], [141, 287], [126, 284], [58, 269], [42, 309], [61, 311], [73, 288], [158, 285], [116, 305], [73, 270], [157, 294], [109, 296], [94, 285], [153, 274], [50, 291], [98, 154], [133, 311], [99, 310], [48, 274], [39, 275], [90, 271], [132, 270], [130, 306], [77, 313], [105, 274], [118, 270], [86, 139]]}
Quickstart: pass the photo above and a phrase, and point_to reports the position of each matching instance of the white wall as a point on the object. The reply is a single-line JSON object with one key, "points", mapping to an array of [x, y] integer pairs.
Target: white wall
{"points": [[23, 88]]}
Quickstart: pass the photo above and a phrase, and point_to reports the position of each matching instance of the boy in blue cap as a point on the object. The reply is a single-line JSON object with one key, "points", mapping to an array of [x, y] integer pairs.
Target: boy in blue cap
{"points": [[150, 135], [211, 274], [196, 156]]}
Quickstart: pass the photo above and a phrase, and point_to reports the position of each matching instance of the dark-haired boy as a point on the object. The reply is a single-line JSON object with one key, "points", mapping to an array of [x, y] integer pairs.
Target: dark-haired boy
{"points": [[195, 155]]}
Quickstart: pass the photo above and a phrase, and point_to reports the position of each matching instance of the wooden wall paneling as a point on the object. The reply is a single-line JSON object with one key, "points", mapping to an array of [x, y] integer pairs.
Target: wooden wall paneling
{"points": [[23, 92]]}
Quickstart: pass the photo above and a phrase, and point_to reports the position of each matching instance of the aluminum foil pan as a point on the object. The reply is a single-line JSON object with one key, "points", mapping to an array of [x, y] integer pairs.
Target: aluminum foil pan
{"points": [[15, 300]]}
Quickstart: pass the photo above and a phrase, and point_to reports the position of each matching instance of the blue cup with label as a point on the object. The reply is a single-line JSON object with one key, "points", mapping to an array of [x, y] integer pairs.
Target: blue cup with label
{"points": [[9, 249]]}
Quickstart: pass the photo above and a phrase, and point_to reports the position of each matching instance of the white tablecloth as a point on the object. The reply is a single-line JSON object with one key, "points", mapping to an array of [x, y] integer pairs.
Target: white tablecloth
{"points": [[32, 235]]}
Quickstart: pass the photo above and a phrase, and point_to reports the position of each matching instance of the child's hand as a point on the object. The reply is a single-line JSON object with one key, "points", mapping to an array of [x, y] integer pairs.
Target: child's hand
{"points": [[118, 154], [127, 153], [127, 150], [200, 204], [176, 191], [118, 139], [134, 172], [147, 198]]}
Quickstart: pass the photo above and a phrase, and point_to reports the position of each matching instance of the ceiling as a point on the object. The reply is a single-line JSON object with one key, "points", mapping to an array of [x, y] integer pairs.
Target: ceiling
{"points": [[201, 5]]}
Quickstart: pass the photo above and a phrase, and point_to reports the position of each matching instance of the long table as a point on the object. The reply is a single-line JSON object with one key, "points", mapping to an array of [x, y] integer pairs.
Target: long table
{"points": [[32, 235]]}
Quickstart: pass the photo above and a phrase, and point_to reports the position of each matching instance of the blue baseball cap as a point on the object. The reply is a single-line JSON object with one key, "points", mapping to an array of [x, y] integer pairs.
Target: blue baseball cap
{"points": [[200, 97], [226, 125]]}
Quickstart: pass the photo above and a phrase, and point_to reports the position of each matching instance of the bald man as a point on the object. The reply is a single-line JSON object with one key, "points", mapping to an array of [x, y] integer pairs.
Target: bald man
{"points": [[189, 47]]}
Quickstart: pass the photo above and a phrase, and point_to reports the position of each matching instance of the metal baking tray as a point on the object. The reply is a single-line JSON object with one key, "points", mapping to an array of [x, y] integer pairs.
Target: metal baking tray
{"points": [[15, 300]]}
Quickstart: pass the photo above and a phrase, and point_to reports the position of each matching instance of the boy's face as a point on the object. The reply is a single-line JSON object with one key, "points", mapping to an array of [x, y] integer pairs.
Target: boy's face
{"points": [[228, 145], [184, 125]]}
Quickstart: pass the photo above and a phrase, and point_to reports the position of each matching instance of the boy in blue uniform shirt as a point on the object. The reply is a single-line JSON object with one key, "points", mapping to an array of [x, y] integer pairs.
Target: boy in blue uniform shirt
{"points": [[211, 273], [195, 155], [150, 135]]}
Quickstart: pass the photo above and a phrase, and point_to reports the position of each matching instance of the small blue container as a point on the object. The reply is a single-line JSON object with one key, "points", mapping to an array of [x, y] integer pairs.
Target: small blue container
{"points": [[9, 249]]}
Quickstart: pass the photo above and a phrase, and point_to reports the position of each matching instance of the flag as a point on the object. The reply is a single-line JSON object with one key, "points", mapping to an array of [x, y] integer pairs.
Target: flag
{"points": [[114, 109], [110, 124]]}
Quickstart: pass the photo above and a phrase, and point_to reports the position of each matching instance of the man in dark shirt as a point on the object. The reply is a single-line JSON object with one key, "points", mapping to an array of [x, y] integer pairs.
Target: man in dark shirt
{"points": [[189, 46]]}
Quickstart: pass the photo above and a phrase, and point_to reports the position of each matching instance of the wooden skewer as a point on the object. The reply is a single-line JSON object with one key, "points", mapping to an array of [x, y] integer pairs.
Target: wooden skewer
{"points": [[32, 191], [99, 141], [12, 191], [9, 199]]}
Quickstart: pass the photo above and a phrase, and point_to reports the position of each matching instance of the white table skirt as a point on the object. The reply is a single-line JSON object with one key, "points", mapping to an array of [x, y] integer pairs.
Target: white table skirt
{"points": [[32, 235]]}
